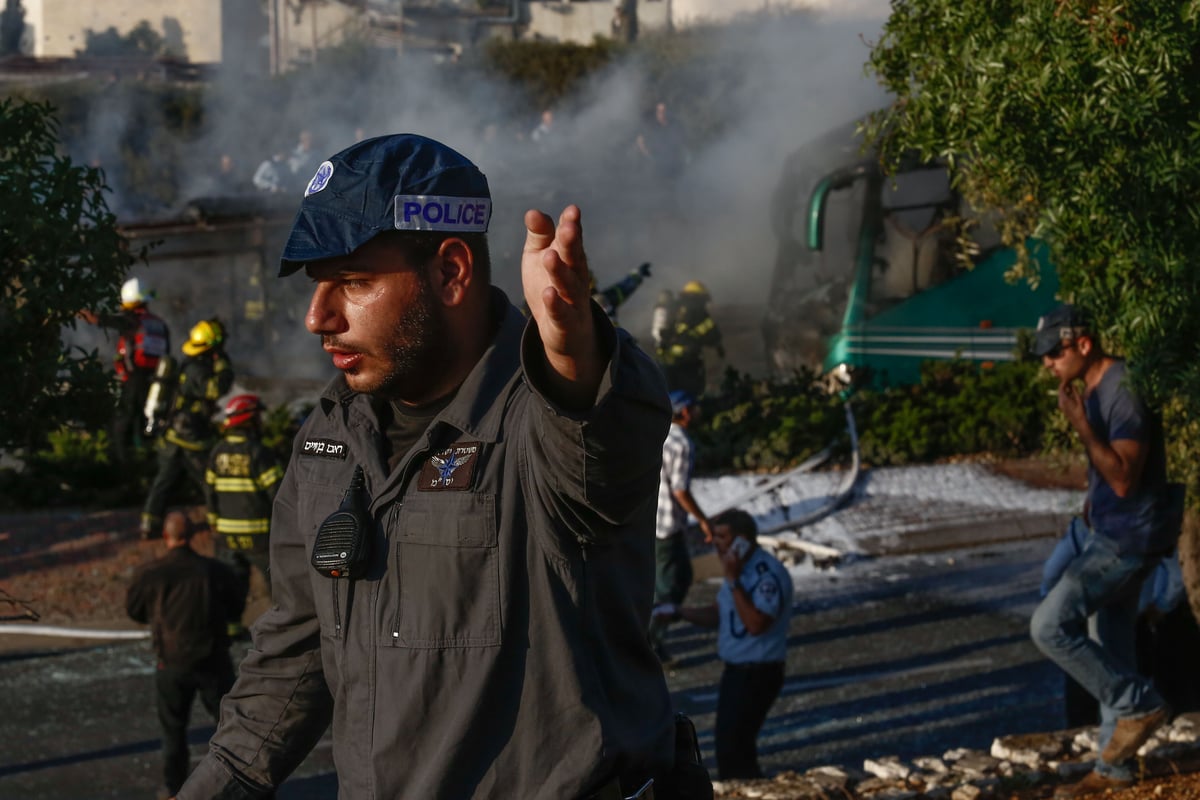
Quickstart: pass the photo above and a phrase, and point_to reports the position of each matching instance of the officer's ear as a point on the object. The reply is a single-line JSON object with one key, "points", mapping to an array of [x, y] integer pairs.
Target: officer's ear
{"points": [[453, 271]]}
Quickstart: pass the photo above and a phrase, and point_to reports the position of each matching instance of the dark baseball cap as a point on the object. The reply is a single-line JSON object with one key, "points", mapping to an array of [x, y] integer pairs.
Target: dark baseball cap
{"points": [[400, 182], [680, 400], [1061, 324]]}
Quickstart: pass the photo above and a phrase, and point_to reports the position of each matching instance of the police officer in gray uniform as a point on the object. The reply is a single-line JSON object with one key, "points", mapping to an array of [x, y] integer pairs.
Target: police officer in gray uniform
{"points": [[462, 549]]}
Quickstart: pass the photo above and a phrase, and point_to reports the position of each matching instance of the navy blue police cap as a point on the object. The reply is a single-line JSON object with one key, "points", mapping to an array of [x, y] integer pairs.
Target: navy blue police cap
{"points": [[400, 182]]}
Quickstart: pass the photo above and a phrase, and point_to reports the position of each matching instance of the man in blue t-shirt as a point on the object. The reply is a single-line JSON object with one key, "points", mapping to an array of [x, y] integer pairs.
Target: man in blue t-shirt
{"points": [[1131, 526], [752, 612]]}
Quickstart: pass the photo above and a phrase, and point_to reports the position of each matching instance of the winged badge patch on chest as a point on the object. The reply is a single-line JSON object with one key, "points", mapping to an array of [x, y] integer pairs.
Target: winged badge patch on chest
{"points": [[452, 469]]}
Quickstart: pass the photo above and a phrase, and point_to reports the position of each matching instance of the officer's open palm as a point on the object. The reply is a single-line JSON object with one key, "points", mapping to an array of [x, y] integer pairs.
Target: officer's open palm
{"points": [[554, 273]]}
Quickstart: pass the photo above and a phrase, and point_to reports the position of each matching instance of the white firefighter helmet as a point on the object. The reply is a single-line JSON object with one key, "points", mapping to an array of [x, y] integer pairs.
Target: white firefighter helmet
{"points": [[132, 294]]}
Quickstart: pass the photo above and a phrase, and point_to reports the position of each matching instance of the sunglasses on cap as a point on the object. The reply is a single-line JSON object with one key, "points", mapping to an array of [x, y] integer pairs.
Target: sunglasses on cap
{"points": [[1057, 351]]}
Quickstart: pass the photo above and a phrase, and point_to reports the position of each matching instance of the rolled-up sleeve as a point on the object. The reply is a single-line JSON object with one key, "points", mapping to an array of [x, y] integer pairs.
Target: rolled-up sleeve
{"points": [[603, 462]]}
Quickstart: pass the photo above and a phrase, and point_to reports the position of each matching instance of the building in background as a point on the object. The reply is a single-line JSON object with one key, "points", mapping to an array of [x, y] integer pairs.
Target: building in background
{"points": [[275, 35]]}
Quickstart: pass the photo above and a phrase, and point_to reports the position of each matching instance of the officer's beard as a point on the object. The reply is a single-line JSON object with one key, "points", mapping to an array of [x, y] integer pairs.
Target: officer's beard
{"points": [[419, 347]]}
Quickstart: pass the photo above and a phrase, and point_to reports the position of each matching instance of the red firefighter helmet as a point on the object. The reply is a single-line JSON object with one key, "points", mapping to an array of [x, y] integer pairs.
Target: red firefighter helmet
{"points": [[242, 410]]}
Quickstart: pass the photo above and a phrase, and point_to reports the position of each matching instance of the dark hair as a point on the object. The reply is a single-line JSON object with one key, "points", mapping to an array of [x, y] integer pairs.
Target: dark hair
{"points": [[740, 522], [419, 247]]}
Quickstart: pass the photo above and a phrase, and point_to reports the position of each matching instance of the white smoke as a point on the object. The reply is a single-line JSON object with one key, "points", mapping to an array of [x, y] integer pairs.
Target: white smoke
{"points": [[800, 77]]}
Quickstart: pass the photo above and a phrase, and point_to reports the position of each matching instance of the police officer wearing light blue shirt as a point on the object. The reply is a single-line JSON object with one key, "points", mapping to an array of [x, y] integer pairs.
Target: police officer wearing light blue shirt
{"points": [[752, 613]]}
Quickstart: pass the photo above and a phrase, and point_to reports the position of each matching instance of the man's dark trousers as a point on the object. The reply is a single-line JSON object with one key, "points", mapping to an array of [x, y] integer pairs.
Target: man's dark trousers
{"points": [[175, 688], [127, 430], [672, 579], [746, 694]]}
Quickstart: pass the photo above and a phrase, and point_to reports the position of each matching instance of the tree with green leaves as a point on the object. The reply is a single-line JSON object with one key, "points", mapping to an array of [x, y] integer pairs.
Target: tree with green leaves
{"points": [[62, 253], [1076, 122]]}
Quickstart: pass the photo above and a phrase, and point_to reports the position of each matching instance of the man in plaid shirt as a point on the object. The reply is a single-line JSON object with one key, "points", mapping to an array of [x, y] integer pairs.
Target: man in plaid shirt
{"points": [[673, 563]]}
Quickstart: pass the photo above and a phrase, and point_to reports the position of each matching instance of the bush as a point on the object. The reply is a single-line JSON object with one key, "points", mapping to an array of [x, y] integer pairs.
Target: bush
{"points": [[74, 469], [957, 409], [765, 424]]}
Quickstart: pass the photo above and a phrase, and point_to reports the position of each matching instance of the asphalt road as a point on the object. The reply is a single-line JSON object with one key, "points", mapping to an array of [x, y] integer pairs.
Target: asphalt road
{"points": [[906, 655]]}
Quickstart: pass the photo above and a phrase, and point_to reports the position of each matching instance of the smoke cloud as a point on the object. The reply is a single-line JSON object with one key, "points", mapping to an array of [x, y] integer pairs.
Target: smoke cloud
{"points": [[710, 221]]}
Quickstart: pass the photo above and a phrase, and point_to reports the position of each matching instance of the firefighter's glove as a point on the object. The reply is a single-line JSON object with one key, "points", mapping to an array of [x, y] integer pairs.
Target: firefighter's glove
{"points": [[644, 270]]}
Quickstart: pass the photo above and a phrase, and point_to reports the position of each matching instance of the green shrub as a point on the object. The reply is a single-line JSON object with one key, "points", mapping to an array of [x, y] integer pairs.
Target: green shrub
{"points": [[280, 426], [74, 469], [956, 409]]}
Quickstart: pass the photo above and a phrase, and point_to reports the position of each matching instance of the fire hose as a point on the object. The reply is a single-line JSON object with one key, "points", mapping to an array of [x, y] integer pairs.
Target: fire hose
{"points": [[841, 494], [63, 632]]}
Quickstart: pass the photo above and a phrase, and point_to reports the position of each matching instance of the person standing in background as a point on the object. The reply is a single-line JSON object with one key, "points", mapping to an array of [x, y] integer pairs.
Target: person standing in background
{"points": [[673, 563], [183, 448], [187, 600], [752, 614], [1131, 525], [243, 476], [143, 339]]}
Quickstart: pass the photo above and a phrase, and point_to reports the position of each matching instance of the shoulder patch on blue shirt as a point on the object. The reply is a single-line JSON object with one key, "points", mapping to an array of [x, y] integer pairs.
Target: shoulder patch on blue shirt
{"points": [[324, 448]]}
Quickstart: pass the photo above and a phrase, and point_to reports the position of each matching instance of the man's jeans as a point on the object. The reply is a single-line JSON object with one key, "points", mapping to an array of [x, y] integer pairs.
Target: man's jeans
{"points": [[1098, 594]]}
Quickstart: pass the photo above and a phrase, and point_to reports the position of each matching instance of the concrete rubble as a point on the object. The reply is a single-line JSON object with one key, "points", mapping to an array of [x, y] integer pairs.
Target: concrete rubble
{"points": [[1014, 763]]}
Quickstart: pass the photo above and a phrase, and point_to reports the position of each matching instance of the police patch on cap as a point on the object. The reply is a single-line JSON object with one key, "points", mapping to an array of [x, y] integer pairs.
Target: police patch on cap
{"points": [[418, 212], [402, 182], [321, 179]]}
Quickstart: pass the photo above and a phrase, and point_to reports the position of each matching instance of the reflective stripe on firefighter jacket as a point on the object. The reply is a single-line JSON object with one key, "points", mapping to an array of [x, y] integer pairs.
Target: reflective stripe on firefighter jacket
{"points": [[611, 298], [202, 380], [242, 478], [687, 341]]}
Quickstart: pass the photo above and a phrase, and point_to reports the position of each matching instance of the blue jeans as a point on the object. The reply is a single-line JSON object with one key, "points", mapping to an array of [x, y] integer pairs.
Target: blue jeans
{"points": [[1087, 625]]}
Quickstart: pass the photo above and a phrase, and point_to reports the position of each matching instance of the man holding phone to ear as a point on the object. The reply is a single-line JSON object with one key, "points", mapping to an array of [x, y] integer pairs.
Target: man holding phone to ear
{"points": [[752, 613]]}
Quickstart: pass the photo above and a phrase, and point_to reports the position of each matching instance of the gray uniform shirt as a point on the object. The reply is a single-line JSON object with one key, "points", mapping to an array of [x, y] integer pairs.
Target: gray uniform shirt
{"points": [[496, 645]]}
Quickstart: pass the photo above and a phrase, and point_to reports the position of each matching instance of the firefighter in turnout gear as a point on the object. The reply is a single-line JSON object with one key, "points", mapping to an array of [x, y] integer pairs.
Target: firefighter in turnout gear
{"points": [[204, 376], [692, 328], [143, 339], [243, 476], [611, 297]]}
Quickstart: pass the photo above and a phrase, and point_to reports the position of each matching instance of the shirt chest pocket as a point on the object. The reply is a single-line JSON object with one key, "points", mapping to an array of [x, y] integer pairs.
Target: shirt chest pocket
{"points": [[447, 564]]}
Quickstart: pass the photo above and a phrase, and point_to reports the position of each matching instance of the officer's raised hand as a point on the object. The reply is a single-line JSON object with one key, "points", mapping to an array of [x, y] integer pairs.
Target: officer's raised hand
{"points": [[554, 272]]}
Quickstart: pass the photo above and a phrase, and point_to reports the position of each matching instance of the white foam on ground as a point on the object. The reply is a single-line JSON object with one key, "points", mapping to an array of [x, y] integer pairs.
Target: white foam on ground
{"points": [[889, 501]]}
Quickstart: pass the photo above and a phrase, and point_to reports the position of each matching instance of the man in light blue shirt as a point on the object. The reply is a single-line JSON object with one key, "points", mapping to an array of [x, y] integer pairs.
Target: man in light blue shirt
{"points": [[752, 613]]}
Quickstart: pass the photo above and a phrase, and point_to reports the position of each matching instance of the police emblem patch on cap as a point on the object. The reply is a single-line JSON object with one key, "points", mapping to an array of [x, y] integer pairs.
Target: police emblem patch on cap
{"points": [[321, 179], [420, 212]]}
